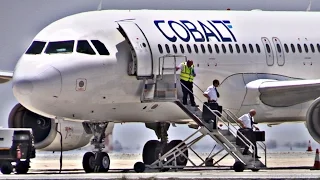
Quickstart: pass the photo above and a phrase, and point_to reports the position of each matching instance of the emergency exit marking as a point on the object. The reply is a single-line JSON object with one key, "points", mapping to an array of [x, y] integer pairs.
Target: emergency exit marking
{"points": [[81, 84]]}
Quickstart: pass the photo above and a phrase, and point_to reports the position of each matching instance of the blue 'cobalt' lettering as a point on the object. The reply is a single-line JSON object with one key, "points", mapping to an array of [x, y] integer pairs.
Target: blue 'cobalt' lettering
{"points": [[193, 30], [172, 39], [185, 39], [208, 30]]}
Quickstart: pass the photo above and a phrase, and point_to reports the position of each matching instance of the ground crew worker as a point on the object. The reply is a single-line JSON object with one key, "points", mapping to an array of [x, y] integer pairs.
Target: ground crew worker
{"points": [[246, 122], [186, 78]]}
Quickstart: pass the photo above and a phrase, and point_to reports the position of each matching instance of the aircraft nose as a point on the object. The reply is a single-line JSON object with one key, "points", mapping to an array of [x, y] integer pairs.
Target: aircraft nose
{"points": [[47, 83], [37, 87], [24, 87]]}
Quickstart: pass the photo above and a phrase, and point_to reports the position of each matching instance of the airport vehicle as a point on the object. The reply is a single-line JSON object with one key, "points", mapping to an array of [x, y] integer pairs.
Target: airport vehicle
{"points": [[16, 146], [102, 67]]}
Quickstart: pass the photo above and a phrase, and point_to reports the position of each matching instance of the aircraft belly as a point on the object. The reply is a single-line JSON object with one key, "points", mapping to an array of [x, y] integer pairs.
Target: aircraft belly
{"points": [[127, 112]]}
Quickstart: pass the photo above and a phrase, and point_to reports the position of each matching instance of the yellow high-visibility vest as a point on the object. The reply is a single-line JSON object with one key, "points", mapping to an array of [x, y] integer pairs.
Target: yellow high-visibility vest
{"points": [[186, 72]]}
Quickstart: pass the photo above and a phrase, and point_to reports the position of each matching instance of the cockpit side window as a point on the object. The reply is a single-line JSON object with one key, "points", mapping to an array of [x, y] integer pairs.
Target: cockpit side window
{"points": [[101, 48], [36, 47], [60, 47], [84, 47]]}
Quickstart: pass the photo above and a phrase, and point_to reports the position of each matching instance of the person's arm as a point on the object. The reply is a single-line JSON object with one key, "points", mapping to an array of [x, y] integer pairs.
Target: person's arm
{"points": [[194, 72], [179, 67], [256, 127], [241, 123], [205, 94]]}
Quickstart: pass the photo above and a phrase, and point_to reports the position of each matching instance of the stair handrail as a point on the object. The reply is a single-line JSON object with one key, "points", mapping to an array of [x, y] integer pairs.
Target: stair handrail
{"points": [[228, 112], [233, 117], [264, 147], [161, 66], [250, 145]]}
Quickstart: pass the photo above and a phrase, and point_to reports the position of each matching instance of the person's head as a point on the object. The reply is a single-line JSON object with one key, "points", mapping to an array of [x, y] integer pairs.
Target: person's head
{"points": [[189, 63], [252, 112], [216, 83]]}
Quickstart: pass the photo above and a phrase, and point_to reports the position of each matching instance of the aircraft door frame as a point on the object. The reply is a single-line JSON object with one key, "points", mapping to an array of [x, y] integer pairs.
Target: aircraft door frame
{"points": [[268, 50], [140, 48], [279, 51]]}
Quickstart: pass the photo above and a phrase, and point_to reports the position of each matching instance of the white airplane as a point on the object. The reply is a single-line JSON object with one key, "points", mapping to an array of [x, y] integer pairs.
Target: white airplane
{"points": [[89, 69]]}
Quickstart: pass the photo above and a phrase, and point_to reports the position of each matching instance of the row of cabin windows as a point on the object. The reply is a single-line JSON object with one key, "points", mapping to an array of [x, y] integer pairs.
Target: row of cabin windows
{"points": [[209, 48], [252, 48], [300, 49]]}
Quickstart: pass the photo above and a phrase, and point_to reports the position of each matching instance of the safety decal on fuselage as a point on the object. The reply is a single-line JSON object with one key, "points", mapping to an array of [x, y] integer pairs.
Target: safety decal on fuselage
{"points": [[199, 31], [81, 84]]}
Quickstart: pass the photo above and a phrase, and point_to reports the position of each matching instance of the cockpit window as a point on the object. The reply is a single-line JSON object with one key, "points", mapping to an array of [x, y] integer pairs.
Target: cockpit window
{"points": [[100, 47], [60, 47], [84, 47], [36, 47]]}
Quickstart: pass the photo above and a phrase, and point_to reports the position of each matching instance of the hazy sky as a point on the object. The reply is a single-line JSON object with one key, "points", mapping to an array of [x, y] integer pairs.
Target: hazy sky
{"points": [[22, 20]]}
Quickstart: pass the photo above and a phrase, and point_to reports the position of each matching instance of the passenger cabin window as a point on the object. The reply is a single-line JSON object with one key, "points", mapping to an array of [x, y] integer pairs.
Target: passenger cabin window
{"points": [[181, 48], [268, 48], [251, 48], [101, 48], [217, 48], [195, 48], [293, 48], [223, 48], [203, 49], [306, 48], [175, 50], [318, 47], [60, 47], [278, 48], [299, 48], [84, 48], [209, 48], [237, 48], [230, 48], [286, 48], [160, 48], [189, 48], [244, 48], [167, 48], [312, 48], [36, 47], [258, 48]]}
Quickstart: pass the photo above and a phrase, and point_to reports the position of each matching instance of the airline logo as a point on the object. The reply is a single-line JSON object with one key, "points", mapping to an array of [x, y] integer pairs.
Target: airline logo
{"points": [[199, 31]]}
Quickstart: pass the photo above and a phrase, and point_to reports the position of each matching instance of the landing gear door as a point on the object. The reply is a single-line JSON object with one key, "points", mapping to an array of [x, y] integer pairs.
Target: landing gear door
{"points": [[140, 49]]}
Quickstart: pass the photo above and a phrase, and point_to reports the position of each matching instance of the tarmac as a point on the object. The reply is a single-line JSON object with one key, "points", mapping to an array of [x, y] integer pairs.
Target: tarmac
{"points": [[281, 165]]}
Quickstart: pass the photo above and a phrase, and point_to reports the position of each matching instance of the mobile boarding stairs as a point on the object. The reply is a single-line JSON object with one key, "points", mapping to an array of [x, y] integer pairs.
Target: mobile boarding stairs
{"points": [[163, 88]]}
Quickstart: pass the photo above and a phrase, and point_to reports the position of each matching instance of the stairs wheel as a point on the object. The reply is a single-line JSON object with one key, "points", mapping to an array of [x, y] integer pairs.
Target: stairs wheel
{"points": [[238, 166], [139, 167], [255, 169]]}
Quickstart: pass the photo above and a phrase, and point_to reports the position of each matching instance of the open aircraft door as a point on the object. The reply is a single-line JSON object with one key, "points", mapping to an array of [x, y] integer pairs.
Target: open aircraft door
{"points": [[142, 64]]}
